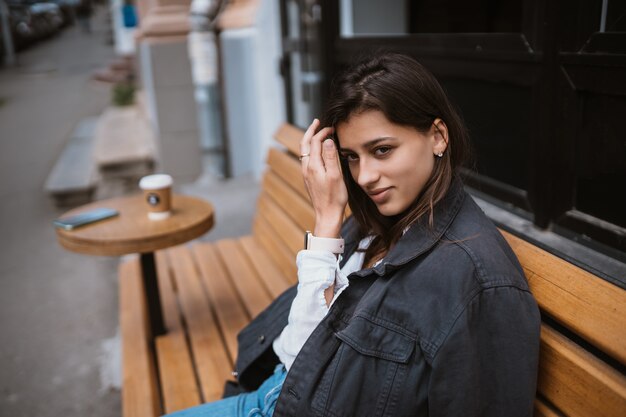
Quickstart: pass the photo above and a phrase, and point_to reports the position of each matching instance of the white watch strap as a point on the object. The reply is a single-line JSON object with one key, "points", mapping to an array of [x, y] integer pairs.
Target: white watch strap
{"points": [[324, 243]]}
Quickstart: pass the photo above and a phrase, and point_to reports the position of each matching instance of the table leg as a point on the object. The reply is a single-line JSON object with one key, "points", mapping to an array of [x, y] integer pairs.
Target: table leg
{"points": [[151, 286]]}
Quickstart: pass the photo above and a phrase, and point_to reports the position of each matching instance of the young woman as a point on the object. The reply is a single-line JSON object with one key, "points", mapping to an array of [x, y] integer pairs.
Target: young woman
{"points": [[427, 311]]}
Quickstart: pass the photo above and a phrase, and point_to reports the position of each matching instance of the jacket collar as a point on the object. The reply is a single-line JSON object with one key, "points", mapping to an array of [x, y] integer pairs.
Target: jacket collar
{"points": [[418, 239], [350, 234]]}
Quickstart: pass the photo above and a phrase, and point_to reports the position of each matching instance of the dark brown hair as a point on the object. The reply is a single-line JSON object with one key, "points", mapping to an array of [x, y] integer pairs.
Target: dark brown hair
{"points": [[409, 95]]}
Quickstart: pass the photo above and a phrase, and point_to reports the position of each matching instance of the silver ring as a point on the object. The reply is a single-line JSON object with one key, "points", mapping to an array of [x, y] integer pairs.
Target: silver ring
{"points": [[304, 155]]}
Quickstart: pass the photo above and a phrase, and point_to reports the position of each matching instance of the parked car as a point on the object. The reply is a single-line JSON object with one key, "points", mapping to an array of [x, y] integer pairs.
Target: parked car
{"points": [[34, 20], [21, 25], [47, 18], [68, 9]]}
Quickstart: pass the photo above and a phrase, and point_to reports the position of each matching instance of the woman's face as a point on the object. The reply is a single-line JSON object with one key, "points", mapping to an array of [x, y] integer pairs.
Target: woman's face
{"points": [[390, 162]]}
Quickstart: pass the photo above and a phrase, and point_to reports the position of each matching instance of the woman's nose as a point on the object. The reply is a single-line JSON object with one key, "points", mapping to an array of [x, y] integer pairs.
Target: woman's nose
{"points": [[367, 174]]}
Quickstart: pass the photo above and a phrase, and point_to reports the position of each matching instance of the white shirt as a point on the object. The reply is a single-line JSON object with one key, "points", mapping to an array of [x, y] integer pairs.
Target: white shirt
{"points": [[317, 270]]}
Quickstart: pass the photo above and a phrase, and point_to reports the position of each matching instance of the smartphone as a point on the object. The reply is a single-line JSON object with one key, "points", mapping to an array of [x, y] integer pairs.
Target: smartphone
{"points": [[91, 216]]}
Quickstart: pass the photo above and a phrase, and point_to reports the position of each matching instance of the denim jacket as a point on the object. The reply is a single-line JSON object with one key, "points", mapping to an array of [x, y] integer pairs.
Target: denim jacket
{"points": [[444, 326]]}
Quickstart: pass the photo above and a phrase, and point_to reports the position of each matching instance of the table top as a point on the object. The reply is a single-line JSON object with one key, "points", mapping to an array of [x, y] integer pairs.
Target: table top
{"points": [[132, 231]]}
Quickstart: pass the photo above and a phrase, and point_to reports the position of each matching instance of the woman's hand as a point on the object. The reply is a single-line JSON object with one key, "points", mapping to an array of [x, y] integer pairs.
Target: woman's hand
{"points": [[322, 176]]}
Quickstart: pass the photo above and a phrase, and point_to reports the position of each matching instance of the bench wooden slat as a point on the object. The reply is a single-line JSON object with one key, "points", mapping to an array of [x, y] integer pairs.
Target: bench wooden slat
{"points": [[288, 169], [169, 305], [250, 288], [212, 362], [140, 393], [289, 136], [178, 381], [590, 306], [544, 410], [297, 208], [231, 314], [291, 235], [274, 279], [577, 382], [271, 243]]}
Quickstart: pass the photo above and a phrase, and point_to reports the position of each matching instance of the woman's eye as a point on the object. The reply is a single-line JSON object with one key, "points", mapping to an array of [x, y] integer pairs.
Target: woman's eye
{"points": [[350, 157], [382, 151]]}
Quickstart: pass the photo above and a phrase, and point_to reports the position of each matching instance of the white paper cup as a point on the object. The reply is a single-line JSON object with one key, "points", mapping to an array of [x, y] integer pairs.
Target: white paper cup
{"points": [[157, 192]]}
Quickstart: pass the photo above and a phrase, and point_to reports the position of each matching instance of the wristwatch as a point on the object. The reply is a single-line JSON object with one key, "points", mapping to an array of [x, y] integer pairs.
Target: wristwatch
{"points": [[323, 243]]}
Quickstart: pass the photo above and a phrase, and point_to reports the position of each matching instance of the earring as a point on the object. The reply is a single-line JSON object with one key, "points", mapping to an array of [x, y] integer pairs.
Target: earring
{"points": [[440, 154]]}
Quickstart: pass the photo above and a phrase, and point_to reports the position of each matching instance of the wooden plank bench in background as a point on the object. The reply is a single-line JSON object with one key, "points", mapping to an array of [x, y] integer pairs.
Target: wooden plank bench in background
{"points": [[124, 143], [74, 176], [211, 290]]}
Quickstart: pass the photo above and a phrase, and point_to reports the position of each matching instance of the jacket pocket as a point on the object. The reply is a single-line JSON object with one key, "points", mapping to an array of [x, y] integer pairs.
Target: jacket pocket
{"points": [[366, 371], [372, 339]]}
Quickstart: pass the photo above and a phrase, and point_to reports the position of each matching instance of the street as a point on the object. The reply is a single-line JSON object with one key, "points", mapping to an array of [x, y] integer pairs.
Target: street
{"points": [[59, 354]]}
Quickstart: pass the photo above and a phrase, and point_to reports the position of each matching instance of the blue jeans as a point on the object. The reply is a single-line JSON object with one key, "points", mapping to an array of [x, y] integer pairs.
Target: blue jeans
{"points": [[259, 403]]}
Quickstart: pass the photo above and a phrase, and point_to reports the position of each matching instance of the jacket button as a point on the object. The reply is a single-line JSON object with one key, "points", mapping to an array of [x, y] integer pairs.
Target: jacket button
{"points": [[261, 339]]}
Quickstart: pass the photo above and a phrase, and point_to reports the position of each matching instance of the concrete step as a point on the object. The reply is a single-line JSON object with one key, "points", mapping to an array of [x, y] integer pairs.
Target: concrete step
{"points": [[124, 145], [74, 177]]}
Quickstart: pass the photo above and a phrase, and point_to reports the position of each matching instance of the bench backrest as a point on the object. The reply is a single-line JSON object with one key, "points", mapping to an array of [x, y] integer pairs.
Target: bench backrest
{"points": [[284, 210], [583, 338]]}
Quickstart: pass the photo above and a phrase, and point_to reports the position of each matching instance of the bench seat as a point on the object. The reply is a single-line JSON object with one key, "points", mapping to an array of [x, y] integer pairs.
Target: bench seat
{"points": [[209, 293]]}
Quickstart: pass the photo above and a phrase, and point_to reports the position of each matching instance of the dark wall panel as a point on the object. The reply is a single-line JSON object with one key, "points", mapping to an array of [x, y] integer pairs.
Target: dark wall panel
{"points": [[601, 159], [498, 117]]}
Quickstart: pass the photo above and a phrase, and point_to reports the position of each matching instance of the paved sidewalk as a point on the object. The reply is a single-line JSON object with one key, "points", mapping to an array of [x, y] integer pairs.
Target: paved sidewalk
{"points": [[57, 309], [59, 354]]}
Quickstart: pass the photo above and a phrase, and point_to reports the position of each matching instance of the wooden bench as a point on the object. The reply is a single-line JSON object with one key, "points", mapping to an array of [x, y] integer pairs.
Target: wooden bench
{"points": [[74, 176], [211, 290], [124, 143]]}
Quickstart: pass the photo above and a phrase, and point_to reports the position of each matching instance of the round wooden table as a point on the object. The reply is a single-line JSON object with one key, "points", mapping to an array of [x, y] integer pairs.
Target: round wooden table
{"points": [[133, 232]]}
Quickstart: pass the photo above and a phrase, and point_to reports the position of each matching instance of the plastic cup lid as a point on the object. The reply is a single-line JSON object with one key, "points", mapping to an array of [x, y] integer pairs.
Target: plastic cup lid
{"points": [[155, 182]]}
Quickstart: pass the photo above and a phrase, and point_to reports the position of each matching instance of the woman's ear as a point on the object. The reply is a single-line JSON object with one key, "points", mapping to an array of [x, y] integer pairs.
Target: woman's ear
{"points": [[441, 137]]}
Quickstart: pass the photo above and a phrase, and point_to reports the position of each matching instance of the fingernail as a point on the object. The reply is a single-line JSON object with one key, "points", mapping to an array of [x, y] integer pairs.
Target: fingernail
{"points": [[328, 143]]}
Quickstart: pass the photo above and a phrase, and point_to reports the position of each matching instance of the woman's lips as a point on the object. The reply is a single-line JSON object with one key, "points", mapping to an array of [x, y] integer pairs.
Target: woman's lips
{"points": [[380, 195]]}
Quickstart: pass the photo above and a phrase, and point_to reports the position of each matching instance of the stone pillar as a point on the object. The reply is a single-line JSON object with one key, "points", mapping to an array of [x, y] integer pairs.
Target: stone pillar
{"points": [[250, 45], [166, 76]]}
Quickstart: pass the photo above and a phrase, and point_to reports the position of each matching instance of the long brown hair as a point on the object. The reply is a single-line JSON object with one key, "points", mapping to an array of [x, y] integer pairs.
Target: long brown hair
{"points": [[407, 94]]}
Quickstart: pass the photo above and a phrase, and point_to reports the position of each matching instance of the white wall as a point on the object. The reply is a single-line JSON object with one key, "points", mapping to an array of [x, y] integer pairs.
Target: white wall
{"points": [[254, 95], [362, 17], [166, 77], [272, 91]]}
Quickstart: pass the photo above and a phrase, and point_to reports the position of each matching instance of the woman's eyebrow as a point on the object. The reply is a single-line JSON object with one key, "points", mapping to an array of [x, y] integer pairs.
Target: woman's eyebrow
{"points": [[370, 143]]}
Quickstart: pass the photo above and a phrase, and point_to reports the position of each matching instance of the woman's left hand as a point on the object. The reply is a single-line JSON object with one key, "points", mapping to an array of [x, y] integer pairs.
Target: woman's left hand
{"points": [[323, 179]]}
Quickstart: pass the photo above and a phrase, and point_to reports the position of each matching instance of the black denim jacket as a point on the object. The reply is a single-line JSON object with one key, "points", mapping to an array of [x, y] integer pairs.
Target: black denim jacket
{"points": [[444, 326]]}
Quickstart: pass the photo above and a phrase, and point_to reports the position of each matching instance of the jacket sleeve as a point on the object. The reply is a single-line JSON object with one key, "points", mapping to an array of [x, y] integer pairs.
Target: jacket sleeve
{"points": [[487, 364]]}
